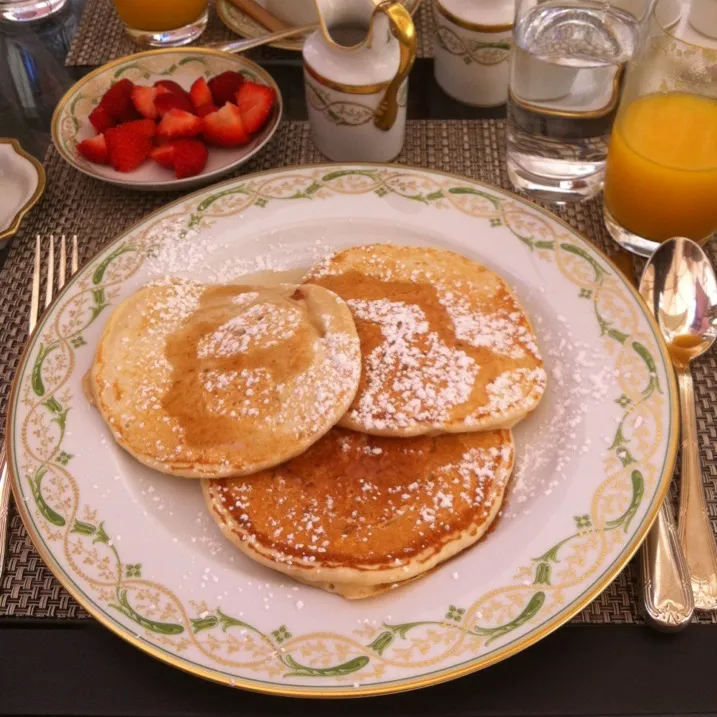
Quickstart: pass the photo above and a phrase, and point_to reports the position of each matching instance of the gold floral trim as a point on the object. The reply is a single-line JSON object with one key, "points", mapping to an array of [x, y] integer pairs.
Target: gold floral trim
{"points": [[471, 50]]}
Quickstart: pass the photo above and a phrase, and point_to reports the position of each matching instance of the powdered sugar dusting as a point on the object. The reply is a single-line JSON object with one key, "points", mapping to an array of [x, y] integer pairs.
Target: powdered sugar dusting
{"points": [[355, 507], [412, 375], [578, 382], [261, 325]]}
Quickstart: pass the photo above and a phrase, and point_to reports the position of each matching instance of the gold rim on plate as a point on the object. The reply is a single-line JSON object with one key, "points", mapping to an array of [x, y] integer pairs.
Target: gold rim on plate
{"points": [[244, 26], [440, 676]]}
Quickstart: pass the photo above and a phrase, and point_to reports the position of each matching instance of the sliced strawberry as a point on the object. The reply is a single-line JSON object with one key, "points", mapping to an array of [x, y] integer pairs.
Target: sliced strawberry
{"points": [[200, 94], [145, 127], [94, 149], [143, 101], [126, 148], [172, 86], [117, 101], [177, 124], [101, 119], [170, 101], [207, 109], [223, 87], [254, 102], [164, 155], [190, 157], [225, 127], [162, 90]]}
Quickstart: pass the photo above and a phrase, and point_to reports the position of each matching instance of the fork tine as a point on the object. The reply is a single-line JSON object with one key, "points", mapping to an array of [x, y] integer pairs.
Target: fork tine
{"points": [[63, 262], [35, 301], [74, 264], [50, 287]]}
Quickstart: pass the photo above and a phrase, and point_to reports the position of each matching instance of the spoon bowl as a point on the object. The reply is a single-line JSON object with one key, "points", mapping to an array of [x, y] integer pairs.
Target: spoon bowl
{"points": [[680, 288]]}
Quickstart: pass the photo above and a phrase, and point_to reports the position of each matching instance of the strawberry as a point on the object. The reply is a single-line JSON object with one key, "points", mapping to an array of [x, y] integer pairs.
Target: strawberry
{"points": [[172, 86], [143, 101], [225, 127], [190, 157], [101, 119], [177, 124], [164, 155], [169, 101], [207, 109], [200, 94], [254, 102], [126, 148], [94, 149], [223, 87], [145, 127], [117, 101]]}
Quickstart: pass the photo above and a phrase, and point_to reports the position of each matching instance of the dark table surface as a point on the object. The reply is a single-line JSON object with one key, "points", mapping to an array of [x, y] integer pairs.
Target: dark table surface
{"points": [[77, 668]]}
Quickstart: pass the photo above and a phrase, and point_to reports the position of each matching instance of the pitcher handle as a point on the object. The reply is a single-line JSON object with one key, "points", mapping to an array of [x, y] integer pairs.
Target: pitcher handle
{"points": [[404, 31]]}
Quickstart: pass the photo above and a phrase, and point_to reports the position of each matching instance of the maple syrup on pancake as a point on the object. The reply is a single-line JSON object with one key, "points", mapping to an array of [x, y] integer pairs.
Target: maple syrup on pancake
{"points": [[187, 398]]}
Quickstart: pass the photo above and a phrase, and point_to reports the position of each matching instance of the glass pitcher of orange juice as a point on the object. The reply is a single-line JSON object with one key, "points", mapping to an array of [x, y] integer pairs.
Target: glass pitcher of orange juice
{"points": [[661, 172], [163, 23]]}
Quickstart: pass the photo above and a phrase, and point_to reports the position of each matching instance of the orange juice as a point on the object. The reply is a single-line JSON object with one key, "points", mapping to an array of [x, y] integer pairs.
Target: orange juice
{"points": [[159, 15], [661, 173]]}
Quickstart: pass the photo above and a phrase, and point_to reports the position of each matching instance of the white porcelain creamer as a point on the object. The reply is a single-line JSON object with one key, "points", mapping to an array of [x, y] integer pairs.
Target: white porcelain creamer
{"points": [[356, 68]]}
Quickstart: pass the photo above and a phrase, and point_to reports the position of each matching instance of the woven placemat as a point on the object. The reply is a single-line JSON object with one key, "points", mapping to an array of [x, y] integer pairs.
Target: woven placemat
{"points": [[97, 212], [100, 36]]}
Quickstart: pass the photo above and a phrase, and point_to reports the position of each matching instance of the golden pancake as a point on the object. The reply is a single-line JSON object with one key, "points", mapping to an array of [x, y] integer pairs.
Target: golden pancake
{"points": [[212, 381], [445, 345], [357, 514]]}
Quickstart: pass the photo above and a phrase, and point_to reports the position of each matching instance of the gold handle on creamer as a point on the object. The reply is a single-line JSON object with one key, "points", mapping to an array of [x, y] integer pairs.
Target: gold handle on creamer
{"points": [[404, 31]]}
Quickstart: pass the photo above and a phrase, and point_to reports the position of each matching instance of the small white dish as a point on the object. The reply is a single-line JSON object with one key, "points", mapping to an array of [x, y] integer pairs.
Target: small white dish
{"points": [[70, 123], [22, 182]]}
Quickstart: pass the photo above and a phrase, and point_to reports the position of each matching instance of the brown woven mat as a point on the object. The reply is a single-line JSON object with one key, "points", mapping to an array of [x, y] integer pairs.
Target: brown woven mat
{"points": [[97, 212], [100, 36]]}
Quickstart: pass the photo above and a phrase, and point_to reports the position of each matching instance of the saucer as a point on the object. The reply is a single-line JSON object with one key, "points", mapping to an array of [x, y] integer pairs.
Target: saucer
{"points": [[22, 182]]}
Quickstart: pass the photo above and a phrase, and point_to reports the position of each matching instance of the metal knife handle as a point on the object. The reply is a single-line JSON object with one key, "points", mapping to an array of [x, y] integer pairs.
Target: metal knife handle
{"points": [[4, 507], [694, 525], [667, 591]]}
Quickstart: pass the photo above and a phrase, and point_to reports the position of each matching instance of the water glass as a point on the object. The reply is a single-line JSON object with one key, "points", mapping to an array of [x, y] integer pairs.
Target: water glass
{"points": [[661, 175], [566, 77], [163, 23]]}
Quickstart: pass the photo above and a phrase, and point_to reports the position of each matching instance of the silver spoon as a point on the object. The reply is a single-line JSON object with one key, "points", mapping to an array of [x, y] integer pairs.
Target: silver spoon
{"points": [[236, 46], [680, 288]]}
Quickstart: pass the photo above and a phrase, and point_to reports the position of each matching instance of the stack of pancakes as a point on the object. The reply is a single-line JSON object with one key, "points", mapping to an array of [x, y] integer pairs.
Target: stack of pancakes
{"points": [[352, 431]]}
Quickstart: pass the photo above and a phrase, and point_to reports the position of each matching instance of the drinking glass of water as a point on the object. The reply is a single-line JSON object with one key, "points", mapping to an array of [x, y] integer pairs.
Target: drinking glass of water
{"points": [[566, 78]]}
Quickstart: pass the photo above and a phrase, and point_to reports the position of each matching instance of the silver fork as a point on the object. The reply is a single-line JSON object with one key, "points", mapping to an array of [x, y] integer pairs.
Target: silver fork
{"points": [[34, 315]]}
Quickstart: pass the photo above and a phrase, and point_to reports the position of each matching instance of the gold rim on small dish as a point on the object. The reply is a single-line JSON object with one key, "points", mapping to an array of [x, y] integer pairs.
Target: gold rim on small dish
{"points": [[34, 197], [244, 26]]}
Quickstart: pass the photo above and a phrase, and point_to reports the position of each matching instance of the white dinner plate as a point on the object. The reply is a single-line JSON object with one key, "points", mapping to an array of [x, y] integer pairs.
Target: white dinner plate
{"points": [[139, 551]]}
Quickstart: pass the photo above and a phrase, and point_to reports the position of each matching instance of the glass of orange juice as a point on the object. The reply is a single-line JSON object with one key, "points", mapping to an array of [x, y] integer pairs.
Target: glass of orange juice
{"points": [[661, 172], [163, 23]]}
